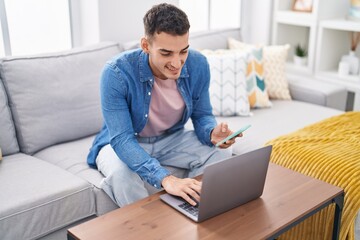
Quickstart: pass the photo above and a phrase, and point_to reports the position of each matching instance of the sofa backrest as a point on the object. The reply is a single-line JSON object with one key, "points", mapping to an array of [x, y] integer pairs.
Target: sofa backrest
{"points": [[8, 142], [216, 39], [55, 98]]}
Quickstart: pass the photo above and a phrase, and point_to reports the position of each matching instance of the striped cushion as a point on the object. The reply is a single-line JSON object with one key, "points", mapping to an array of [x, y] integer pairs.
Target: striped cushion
{"points": [[228, 83]]}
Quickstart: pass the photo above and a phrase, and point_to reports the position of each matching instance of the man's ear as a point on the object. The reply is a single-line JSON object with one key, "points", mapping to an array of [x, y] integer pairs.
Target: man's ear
{"points": [[145, 45]]}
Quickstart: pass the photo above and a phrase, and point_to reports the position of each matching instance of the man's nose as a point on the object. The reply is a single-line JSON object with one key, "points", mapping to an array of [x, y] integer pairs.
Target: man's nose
{"points": [[176, 61]]}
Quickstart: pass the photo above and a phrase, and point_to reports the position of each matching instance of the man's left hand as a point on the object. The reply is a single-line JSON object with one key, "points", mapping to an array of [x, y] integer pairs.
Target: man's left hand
{"points": [[220, 132]]}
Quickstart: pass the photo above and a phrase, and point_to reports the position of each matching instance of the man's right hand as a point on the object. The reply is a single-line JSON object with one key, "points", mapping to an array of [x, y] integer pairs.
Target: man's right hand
{"points": [[182, 187]]}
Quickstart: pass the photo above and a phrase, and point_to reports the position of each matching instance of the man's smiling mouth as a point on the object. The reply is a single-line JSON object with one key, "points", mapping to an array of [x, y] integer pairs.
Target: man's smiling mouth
{"points": [[172, 69]]}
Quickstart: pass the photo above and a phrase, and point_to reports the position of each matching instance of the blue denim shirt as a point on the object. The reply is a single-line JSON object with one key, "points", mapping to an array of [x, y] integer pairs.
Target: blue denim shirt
{"points": [[125, 90]]}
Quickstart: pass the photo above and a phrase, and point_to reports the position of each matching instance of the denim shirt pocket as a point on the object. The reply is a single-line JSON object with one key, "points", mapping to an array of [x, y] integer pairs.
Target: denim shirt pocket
{"points": [[195, 100]]}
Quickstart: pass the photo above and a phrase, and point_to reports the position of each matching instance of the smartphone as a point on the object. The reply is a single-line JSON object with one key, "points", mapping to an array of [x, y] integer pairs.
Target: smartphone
{"points": [[233, 135]]}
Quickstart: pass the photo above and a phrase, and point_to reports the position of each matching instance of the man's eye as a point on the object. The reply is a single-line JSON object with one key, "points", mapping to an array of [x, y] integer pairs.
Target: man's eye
{"points": [[165, 54], [184, 52]]}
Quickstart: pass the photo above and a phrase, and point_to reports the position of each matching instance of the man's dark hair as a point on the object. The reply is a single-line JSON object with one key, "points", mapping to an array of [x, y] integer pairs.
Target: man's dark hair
{"points": [[165, 18]]}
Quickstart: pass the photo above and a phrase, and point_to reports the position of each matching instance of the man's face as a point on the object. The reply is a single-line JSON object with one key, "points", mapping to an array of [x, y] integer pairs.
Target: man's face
{"points": [[167, 54]]}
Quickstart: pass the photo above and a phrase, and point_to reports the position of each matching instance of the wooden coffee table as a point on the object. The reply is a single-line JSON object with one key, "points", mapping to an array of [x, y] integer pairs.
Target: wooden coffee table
{"points": [[289, 198]]}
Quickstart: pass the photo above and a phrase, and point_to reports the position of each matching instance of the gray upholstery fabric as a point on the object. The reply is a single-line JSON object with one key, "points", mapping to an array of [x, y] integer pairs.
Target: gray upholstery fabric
{"points": [[104, 204], [55, 98], [320, 93], [131, 45], [37, 198], [282, 118], [71, 156], [8, 142], [213, 39], [61, 234]]}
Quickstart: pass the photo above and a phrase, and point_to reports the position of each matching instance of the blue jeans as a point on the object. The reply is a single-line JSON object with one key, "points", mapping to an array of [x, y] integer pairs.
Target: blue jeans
{"points": [[180, 150]]}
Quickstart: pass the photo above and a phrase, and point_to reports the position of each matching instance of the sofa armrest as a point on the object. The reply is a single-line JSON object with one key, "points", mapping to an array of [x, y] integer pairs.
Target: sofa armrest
{"points": [[318, 92]]}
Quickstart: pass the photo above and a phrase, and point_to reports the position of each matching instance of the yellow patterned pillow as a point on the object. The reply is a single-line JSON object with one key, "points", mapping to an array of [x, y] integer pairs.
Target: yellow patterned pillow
{"points": [[274, 58], [255, 82], [274, 71]]}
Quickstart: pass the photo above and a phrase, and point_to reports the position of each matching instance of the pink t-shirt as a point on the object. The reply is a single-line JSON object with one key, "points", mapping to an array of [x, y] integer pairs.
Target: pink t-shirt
{"points": [[166, 108]]}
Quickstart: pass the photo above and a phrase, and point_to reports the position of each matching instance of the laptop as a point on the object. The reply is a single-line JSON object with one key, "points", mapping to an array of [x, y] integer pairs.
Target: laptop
{"points": [[226, 184]]}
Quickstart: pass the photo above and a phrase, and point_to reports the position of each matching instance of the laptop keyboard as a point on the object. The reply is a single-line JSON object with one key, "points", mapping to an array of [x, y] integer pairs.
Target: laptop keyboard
{"points": [[190, 208]]}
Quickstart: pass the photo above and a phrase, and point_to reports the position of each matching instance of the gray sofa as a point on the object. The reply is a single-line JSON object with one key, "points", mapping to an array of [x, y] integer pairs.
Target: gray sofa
{"points": [[50, 113]]}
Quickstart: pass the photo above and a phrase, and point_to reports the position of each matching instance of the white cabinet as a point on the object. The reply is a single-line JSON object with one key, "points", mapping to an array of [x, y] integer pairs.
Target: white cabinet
{"points": [[333, 42], [326, 34], [296, 28]]}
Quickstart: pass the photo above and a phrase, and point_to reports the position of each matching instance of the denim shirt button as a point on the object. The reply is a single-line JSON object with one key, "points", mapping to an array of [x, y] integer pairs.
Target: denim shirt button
{"points": [[136, 134], [146, 115], [149, 93]]}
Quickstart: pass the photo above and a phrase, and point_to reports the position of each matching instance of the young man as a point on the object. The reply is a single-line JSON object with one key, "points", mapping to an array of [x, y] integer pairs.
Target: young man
{"points": [[147, 96]]}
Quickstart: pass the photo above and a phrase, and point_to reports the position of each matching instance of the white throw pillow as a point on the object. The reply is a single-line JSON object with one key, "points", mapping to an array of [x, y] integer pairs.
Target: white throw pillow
{"points": [[228, 82]]}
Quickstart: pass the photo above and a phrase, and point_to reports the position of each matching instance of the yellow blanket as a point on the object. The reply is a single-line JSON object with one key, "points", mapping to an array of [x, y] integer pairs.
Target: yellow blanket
{"points": [[330, 151]]}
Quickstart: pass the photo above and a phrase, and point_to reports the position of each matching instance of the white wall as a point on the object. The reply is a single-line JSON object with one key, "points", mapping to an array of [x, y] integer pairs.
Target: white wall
{"points": [[256, 21], [90, 15], [85, 22], [109, 20], [121, 20]]}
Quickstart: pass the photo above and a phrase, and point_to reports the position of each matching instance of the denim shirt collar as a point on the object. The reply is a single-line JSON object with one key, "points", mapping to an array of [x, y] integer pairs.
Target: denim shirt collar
{"points": [[146, 73]]}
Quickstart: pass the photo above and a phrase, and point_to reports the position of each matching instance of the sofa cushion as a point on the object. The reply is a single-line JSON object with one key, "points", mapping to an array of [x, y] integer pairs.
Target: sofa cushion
{"points": [[55, 98], [318, 92], [228, 82], [37, 197], [71, 156], [283, 117], [8, 142]]}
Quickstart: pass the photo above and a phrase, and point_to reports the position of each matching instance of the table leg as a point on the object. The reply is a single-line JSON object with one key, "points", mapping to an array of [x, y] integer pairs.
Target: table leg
{"points": [[69, 237], [339, 203]]}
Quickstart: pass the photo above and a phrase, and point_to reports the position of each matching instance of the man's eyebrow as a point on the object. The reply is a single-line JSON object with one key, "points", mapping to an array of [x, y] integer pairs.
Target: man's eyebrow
{"points": [[165, 50], [185, 48], [169, 51]]}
